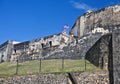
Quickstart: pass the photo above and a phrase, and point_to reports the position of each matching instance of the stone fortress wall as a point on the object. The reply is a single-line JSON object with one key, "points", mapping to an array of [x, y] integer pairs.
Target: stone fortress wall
{"points": [[84, 33], [104, 18], [33, 49], [94, 35]]}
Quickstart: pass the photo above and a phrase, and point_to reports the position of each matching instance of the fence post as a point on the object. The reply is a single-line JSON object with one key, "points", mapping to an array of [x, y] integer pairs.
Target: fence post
{"points": [[17, 67], [62, 63], [85, 64], [40, 66]]}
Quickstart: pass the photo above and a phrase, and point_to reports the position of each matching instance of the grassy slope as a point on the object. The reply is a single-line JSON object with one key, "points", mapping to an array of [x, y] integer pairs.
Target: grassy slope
{"points": [[47, 66]]}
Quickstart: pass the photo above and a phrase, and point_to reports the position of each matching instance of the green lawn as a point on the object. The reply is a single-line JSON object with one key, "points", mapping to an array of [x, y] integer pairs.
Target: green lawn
{"points": [[47, 66]]}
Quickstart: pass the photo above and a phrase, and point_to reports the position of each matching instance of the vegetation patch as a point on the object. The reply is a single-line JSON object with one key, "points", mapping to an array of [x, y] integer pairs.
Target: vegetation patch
{"points": [[45, 66]]}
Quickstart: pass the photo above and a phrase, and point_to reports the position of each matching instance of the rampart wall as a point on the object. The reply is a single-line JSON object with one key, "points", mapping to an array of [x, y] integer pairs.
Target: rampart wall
{"points": [[105, 18]]}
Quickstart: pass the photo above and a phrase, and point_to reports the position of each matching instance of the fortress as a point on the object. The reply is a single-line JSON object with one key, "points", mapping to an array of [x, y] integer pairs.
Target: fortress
{"points": [[95, 36]]}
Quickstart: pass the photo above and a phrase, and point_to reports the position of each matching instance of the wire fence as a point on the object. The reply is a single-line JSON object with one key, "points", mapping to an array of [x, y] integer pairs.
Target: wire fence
{"points": [[45, 66]]}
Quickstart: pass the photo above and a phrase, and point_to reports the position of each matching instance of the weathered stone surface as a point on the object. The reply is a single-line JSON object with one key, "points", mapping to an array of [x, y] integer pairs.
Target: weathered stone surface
{"points": [[106, 53], [78, 48], [36, 79], [6, 51], [105, 18], [116, 57], [98, 54], [96, 77], [33, 49], [99, 77]]}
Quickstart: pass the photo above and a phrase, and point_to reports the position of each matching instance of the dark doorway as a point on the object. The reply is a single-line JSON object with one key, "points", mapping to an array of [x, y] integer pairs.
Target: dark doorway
{"points": [[42, 45], [50, 43], [15, 50], [2, 58]]}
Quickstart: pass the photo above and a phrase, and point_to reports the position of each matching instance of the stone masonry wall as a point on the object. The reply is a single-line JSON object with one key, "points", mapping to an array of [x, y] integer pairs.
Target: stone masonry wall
{"points": [[106, 54], [105, 17], [39, 48], [99, 53], [93, 77], [77, 48], [6, 51], [98, 77], [36, 79], [116, 57]]}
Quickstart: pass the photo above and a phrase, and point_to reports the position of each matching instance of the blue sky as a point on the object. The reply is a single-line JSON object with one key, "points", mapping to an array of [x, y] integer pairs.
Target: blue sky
{"points": [[23, 20]]}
